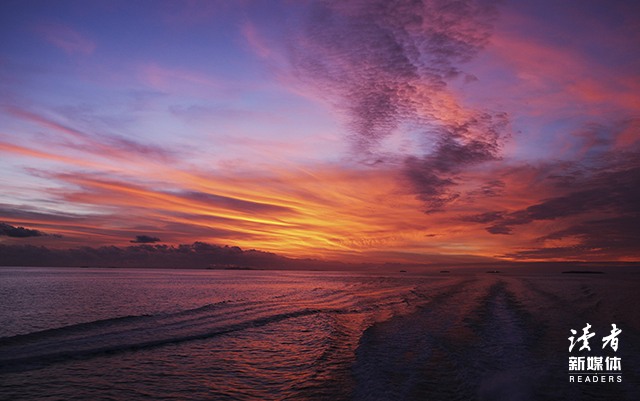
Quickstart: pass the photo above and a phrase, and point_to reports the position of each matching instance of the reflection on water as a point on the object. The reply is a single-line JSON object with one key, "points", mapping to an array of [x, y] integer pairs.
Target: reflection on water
{"points": [[136, 334]]}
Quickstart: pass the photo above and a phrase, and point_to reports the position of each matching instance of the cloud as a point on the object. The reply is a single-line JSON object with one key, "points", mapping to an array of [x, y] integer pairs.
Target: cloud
{"points": [[254, 40], [605, 239], [66, 38], [196, 255], [145, 239], [385, 66], [615, 192], [387, 60], [483, 217], [433, 175], [113, 146], [21, 232], [594, 205], [489, 189], [230, 203]]}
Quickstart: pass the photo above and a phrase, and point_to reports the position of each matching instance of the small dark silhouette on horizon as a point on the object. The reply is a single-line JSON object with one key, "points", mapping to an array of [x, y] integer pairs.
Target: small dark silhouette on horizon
{"points": [[582, 272]]}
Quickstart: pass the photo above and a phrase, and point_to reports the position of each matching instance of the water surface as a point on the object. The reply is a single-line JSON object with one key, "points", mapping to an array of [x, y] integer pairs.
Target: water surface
{"points": [[192, 334]]}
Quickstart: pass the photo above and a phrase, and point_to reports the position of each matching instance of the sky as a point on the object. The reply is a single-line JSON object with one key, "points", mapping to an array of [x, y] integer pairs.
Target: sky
{"points": [[355, 131]]}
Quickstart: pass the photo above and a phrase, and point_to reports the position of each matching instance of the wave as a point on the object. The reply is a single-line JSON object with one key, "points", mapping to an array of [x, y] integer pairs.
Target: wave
{"points": [[130, 333], [41, 356], [488, 338]]}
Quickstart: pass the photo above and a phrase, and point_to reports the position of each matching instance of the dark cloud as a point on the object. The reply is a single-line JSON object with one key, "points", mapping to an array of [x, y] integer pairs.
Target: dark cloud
{"points": [[385, 64], [605, 183], [21, 232], [497, 229], [196, 255], [483, 217], [614, 192], [386, 59], [604, 239], [145, 239], [433, 176], [600, 203], [489, 189]]}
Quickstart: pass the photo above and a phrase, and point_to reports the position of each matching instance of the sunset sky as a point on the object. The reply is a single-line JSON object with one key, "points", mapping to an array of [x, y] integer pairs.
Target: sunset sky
{"points": [[358, 131]]}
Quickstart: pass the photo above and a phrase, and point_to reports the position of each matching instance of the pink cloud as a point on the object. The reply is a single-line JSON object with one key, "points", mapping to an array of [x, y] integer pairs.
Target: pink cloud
{"points": [[254, 39], [166, 79], [67, 39], [561, 76]]}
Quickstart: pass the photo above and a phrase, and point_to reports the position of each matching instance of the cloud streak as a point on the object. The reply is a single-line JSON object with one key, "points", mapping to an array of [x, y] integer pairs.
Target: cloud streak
{"points": [[104, 145], [66, 38]]}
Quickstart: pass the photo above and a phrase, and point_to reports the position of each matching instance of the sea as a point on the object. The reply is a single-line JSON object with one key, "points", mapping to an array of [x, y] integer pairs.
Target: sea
{"points": [[151, 334]]}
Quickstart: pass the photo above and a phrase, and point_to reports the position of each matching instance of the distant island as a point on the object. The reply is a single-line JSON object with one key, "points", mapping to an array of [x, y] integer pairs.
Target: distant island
{"points": [[582, 272]]}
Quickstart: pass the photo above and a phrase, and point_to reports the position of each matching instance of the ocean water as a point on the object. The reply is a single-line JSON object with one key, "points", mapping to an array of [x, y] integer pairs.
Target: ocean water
{"points": [[122, 334]]}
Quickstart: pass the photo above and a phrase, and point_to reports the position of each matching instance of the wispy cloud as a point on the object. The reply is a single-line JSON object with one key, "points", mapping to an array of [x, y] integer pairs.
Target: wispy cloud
{"points": [[161, 78], [104, 145], [65, 38], [255, 41]]}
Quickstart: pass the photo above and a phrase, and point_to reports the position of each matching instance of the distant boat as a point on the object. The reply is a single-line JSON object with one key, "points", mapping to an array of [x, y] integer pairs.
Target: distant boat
{"points": [[403, 271], [445, 271], [493, 271]]}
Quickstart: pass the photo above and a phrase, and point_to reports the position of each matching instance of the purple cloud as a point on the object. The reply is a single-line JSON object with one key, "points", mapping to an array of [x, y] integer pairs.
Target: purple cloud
{"points": [[433, 175], [385, 65]]}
